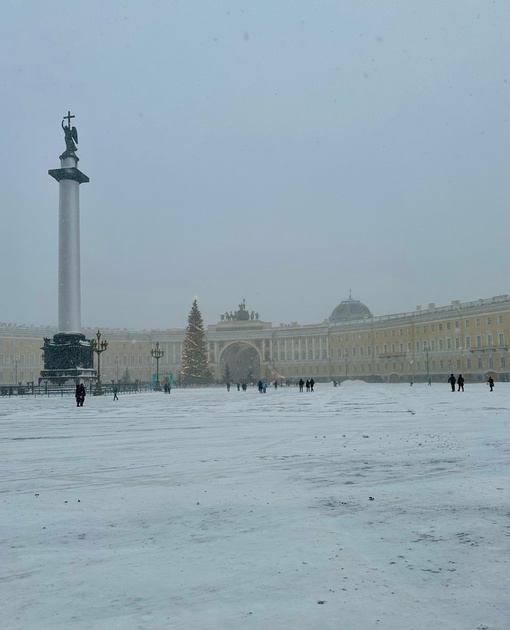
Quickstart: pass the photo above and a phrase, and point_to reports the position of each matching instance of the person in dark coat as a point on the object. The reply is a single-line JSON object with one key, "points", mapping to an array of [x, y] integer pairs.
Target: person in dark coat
{"points": [[312, 383], [301, 384], [81, 392], [307, 385], [452, 382], [491, 383], [460, 382]]}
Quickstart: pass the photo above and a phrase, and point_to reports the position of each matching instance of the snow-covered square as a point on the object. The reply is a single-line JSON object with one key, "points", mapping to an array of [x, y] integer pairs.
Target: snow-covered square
{"points": [[353, 507]]}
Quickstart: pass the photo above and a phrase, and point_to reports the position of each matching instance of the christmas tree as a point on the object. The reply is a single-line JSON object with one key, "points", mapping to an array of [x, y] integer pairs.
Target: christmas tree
{"points": [[195, 364]]}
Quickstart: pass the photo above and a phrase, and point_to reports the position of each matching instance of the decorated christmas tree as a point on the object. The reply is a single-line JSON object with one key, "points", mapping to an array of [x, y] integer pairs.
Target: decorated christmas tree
{"points": [[195, 364]]}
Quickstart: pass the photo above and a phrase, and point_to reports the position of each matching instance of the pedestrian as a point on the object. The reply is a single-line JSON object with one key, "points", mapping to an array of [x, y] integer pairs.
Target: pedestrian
{"points": [[460, 382], [491, 383], [307, 385], [452, 382], [301, 384], [238, 387], [260, 387], [228, 387], [115, 390], [80, 394], [312, 383], [264, 387]]}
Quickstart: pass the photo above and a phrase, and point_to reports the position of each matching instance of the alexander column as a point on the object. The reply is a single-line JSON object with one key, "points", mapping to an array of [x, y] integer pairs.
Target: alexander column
{"points": [[69, 355]]}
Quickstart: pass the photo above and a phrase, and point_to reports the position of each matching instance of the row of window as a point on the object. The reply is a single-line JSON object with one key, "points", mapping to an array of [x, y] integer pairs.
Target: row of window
{"points": [[422, 346], [419, 366], [424, 329]]}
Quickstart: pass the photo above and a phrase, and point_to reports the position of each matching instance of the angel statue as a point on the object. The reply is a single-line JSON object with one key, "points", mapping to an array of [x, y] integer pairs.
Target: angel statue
{"points": [[71, 137]]}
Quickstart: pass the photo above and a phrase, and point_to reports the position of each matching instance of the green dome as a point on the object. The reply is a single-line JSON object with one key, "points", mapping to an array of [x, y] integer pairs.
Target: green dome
{"points": [[349, 310]]}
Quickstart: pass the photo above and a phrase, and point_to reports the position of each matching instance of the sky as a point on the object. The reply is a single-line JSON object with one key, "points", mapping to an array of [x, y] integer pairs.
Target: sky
{"points": [[284, 152], [378, 507]]}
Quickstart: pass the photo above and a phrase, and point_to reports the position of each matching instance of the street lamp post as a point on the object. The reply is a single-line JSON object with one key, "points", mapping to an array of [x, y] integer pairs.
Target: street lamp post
{"points": [[98, 346], [346, 357], [157, 353], [426, 348]]}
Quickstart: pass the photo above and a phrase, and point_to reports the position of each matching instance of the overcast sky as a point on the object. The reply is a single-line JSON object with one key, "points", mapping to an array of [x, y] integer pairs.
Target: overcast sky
{"points": [[281, 151]]}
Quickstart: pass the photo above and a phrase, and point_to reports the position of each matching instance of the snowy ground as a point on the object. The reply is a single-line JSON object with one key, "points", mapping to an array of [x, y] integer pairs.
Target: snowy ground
{"points": [[206, 509]]}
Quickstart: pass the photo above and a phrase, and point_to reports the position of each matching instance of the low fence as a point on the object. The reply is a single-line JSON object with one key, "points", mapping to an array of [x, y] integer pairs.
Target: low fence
{"points": [[46, 389]]}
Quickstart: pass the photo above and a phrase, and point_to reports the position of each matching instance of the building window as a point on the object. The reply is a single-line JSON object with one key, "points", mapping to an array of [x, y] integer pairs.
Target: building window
{"points": [[468, 364], [458, 364], [385, 349], [477, 322], [457, 343], [400, 332], [491, 363], [501, 339], [448, 326], [466, 323], [502, 362], [489, 320], [468, 342], [440, 327], [401, 347], [393, 348], [417, 346], [441, 364], [408, 346], [431, 327], [441, 344], [478, 341], [480, 364], [489, 340], [500, 319], [448, 344]]}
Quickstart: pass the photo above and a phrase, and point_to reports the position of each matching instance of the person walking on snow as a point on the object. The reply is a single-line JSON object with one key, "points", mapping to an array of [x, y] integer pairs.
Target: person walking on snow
{"points": [[452, 382], [491, 383], [460, 382]]}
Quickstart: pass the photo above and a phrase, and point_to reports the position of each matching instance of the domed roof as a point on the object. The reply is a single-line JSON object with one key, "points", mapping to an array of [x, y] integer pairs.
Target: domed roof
{"points": [[349, 310]]}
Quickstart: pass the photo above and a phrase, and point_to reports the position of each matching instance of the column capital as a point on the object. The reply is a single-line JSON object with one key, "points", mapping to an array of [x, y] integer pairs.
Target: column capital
{"points": [[72, 173]]}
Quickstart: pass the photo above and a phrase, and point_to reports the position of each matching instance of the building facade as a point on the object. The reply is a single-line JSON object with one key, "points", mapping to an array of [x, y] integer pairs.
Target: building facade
{"points": [[471, 338]]}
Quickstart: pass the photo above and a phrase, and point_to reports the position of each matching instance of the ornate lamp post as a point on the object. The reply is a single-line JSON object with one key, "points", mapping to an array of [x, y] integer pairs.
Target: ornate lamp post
{"points": [[426, 348], [98, 346], [157, 353], [346, 359]]}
